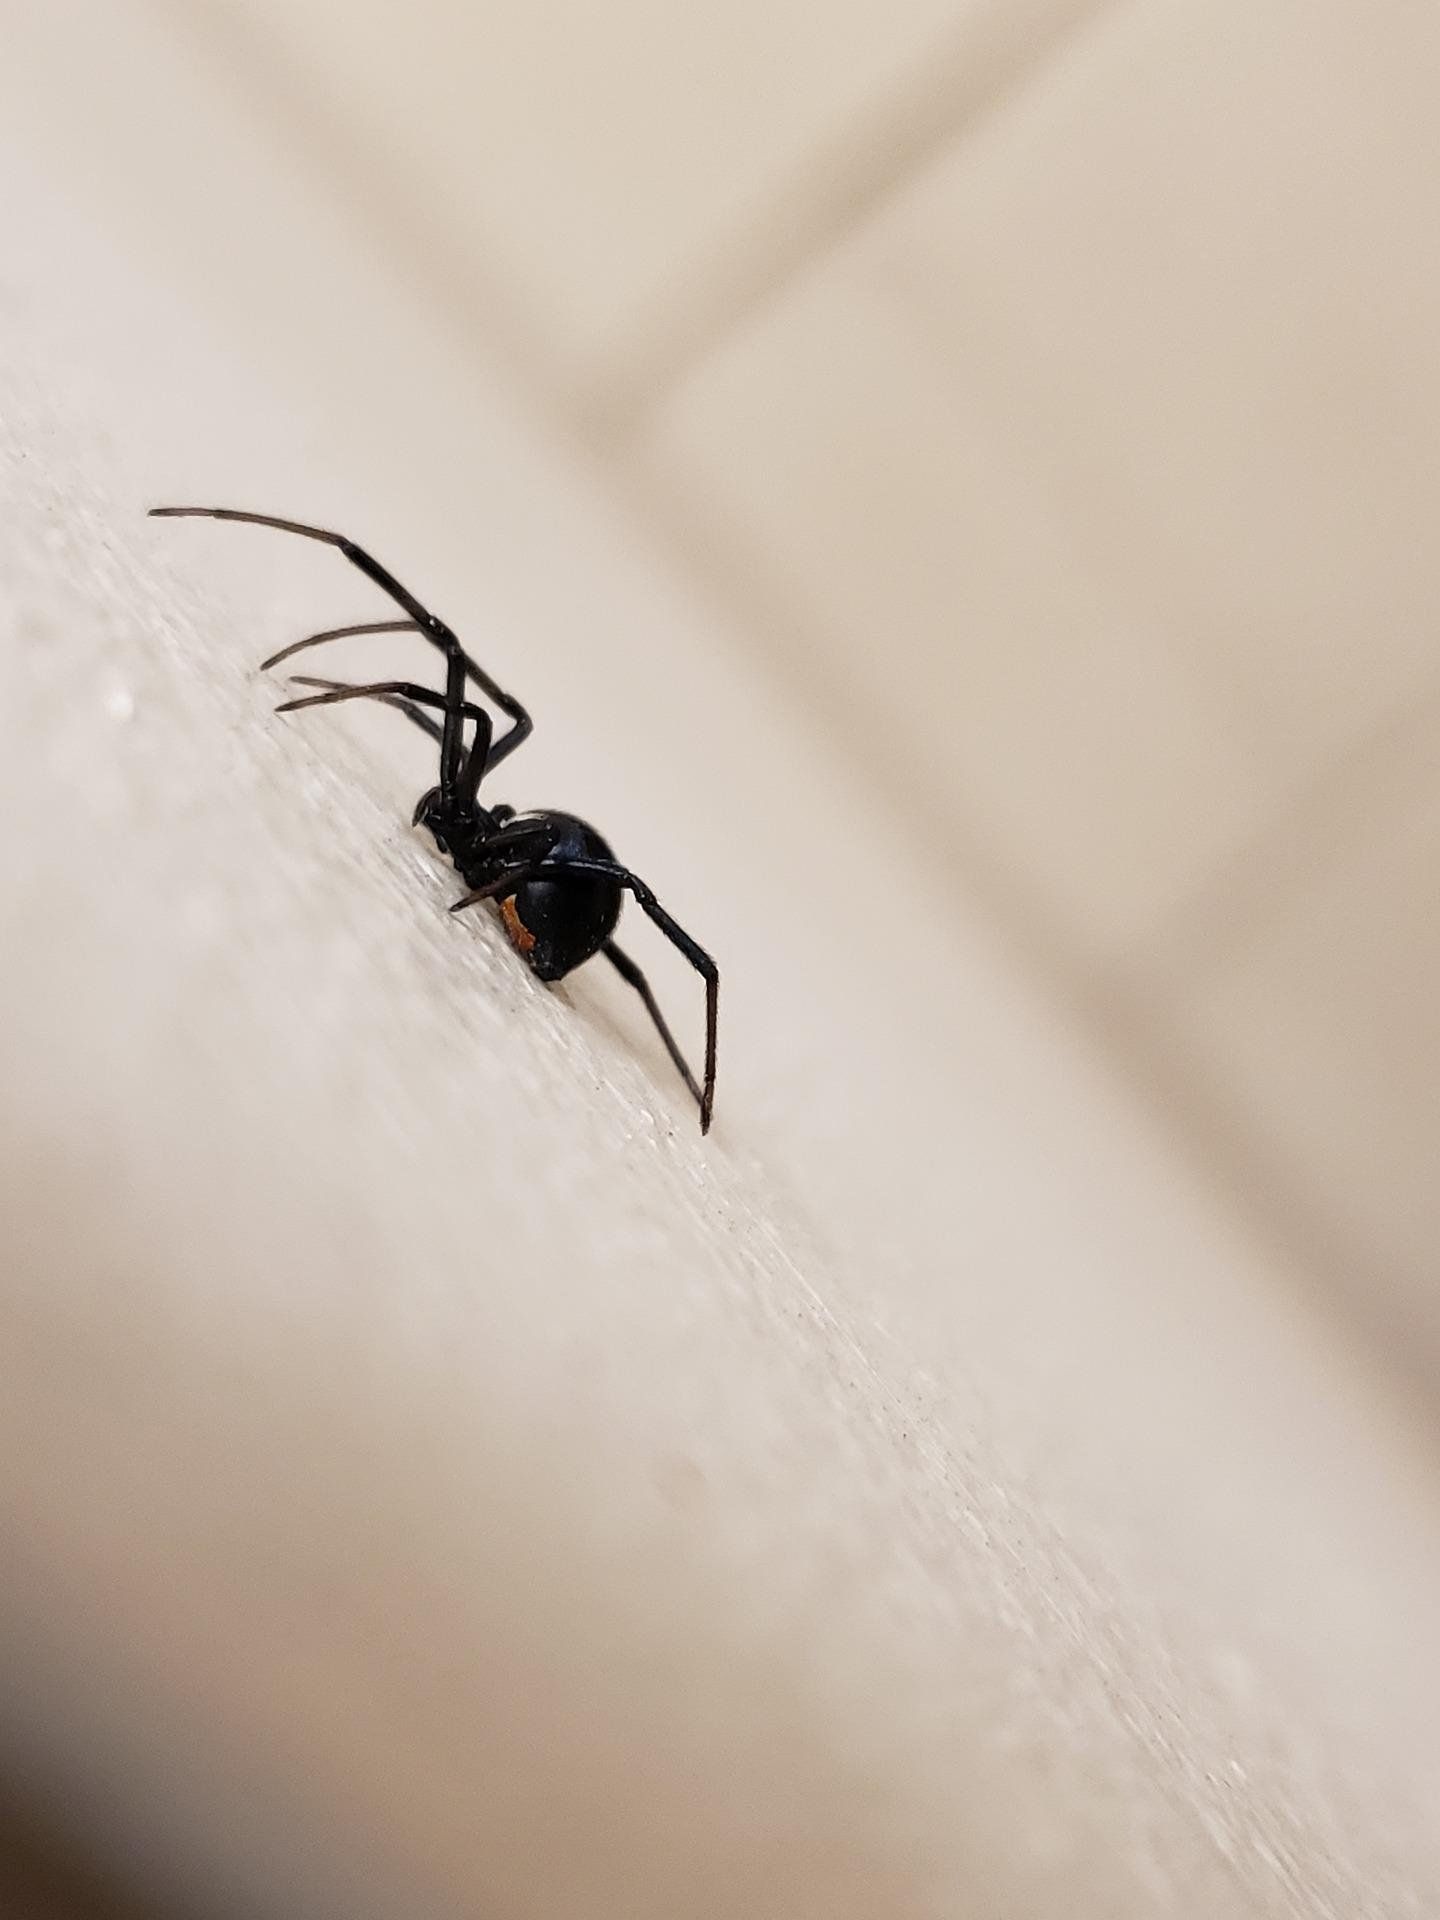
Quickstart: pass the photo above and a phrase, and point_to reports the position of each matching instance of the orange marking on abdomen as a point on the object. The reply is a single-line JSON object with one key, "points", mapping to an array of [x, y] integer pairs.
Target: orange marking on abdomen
{"points": [[519, 933]]}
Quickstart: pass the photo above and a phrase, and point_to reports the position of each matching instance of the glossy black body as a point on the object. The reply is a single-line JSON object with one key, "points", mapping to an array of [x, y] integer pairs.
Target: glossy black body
{"points": [[568, 913], [556, 881]]}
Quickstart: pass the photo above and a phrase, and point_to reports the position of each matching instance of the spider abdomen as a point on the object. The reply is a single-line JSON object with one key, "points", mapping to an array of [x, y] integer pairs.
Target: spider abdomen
{"points": [[559, 923], [559, 919]]}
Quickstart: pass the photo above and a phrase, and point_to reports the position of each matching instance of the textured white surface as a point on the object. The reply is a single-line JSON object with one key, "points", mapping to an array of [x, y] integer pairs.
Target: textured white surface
{"points": [[430, 1480]]}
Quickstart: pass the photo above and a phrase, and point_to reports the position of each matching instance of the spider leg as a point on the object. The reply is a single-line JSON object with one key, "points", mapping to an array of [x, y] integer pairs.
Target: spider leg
{"points": [[530, 845], [506, 882], [693, 952], [479, 758], [337, 633], [405, 695], [459, 664], [631, 974], [390, 691], [407, 707]]}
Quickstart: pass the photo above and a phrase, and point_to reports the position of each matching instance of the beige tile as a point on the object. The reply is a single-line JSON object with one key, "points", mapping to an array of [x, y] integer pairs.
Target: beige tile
{"points": [[586, 159], [1099, 472], [941, 599], [1224, 311], [1322, 1032]]}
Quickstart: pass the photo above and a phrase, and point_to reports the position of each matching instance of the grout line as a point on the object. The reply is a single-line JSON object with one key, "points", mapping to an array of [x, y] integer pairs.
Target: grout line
{"points": [[956, 90], [1338, 804]]}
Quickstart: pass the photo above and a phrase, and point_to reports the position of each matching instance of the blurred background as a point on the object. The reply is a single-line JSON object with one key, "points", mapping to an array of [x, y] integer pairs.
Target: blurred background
{"points": [[956, 480]]}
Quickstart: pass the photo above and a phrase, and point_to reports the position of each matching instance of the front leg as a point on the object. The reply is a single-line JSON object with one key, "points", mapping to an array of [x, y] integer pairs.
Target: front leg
{"points": [[411, 712]]}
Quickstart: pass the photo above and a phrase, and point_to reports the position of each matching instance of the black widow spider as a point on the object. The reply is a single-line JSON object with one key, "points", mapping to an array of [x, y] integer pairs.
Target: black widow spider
{"points": [[555, 880]]}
